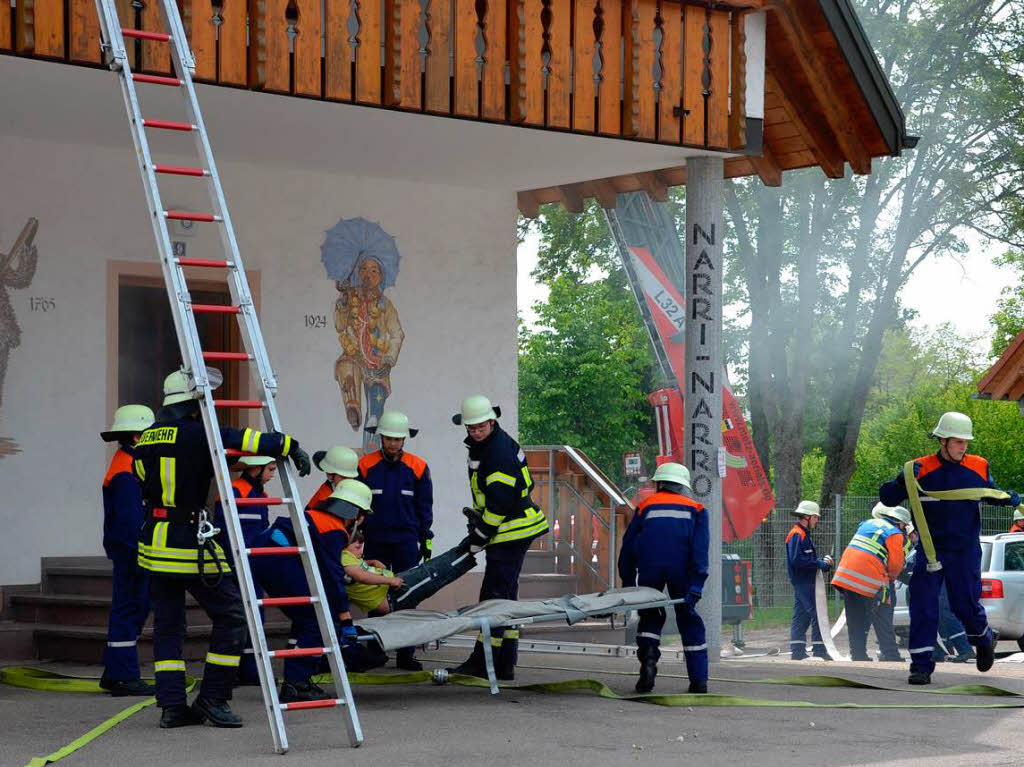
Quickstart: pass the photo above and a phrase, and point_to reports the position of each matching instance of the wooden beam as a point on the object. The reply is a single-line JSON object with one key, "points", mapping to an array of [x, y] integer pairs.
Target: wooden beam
{"points": [[818, 137], [605, 193], [767, 167], [823, 86], [653, 184], [529, 206], [572, 197], [1000, 366]]}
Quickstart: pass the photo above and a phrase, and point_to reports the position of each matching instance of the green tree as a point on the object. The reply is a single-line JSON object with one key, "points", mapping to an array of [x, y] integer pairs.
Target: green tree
{"points": [[1008, 319], [585, 368]]}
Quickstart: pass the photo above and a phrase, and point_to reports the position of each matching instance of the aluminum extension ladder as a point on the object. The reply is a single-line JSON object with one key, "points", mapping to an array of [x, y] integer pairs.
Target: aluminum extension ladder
{"points": [[195, 358]]}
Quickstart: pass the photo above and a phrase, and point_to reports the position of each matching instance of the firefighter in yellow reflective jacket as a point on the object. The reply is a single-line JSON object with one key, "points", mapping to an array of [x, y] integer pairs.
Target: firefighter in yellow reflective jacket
{"points": [[503, 518], [173, 462]]}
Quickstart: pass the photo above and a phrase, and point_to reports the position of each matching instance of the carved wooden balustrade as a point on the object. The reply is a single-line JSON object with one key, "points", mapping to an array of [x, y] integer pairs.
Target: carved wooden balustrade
{"points": [[650, 70]]}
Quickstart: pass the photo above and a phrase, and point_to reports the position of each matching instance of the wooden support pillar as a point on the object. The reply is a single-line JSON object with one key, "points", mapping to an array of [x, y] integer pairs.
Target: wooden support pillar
{"points": [[704, 365]]}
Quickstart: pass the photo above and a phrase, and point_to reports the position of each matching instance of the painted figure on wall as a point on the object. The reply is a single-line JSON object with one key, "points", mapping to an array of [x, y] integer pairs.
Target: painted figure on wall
{"points": [[17, 268], [363, 261]]}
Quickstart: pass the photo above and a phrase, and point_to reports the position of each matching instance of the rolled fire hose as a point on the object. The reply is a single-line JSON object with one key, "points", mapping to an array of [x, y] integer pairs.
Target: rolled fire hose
{"points": [[914, 492], [821, 608]]}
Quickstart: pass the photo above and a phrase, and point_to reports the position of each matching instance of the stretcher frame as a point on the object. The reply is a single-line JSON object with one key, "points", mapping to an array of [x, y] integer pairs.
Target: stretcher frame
{"points": [[485, 624]]}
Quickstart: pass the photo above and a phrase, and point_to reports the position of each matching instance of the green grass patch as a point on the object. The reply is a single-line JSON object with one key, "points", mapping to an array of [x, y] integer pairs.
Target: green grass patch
{"points": [[779, 617]]}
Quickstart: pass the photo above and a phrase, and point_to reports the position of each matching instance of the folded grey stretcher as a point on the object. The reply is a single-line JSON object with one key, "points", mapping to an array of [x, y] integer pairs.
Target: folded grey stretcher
{"points": [[416, 627]]}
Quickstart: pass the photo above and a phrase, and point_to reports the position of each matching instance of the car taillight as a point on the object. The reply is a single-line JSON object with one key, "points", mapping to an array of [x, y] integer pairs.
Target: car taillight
{"points": [[991, 588]]}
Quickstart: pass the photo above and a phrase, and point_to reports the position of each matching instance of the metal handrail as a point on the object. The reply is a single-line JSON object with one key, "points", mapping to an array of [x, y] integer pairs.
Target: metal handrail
{"points": [[604, 485]]}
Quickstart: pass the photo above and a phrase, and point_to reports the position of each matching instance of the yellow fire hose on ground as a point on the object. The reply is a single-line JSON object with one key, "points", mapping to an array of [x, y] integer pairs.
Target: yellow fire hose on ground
{"points": [[51, 681]]}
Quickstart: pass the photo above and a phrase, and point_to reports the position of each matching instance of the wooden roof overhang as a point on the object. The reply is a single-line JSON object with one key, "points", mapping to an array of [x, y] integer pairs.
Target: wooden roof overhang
{"points": [[1005, 379], [827, 103]]}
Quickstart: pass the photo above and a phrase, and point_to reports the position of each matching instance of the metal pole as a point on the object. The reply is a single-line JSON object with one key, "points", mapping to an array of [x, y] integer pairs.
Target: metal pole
{"points": [[702, 389], [839, 536]]}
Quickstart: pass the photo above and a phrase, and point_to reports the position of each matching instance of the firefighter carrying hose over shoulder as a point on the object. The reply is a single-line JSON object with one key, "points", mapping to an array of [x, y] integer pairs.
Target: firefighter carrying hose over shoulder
{"points": [[506, 522], [172, 459], [666, 544], [949, 549]]}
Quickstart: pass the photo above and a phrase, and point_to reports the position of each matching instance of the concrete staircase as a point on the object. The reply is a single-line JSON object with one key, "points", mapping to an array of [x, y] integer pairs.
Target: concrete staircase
{"points": [[65, 619]]}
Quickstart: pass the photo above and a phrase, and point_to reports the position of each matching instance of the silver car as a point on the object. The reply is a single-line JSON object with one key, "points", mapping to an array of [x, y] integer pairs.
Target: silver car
{"points": [[1002, 588]]}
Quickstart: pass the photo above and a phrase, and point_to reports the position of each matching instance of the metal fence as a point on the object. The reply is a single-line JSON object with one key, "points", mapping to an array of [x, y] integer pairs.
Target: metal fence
{"points": [[766, 548]]}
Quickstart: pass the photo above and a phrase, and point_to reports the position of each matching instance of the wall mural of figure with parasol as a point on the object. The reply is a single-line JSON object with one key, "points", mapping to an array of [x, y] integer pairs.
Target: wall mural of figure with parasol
{"points": [[363, 261], [17, 268]]}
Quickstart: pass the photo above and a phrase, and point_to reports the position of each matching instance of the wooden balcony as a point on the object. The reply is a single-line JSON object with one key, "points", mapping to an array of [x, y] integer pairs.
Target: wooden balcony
{"points": [[642, 70]]}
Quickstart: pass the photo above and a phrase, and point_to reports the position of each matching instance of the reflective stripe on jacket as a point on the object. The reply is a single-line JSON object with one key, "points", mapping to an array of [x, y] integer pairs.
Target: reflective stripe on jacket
{"points": [[954, 525], [500, 483], [403, 498], [872, 559], [667, 536]]}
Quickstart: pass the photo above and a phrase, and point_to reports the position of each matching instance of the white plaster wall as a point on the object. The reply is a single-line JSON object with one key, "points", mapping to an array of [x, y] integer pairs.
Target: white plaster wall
{"points": [[455, 296]]}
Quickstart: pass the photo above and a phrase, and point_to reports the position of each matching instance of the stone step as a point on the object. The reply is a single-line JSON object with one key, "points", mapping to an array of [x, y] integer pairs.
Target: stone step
{"points": [[87, 610], [86, 579], [539, 561], [85, 644], [545, 585]]}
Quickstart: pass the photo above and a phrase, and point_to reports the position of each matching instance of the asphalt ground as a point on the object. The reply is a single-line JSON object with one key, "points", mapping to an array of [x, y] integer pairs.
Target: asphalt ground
{"points": [[426, 724]]}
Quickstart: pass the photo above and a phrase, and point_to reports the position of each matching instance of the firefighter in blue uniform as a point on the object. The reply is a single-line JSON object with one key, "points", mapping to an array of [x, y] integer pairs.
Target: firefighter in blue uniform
{"points": [[257, 471], [503, 519], [329, 525], [803, 564], [666, 545], [123, 516], [953, 527], [173, 461], [398, 532]]}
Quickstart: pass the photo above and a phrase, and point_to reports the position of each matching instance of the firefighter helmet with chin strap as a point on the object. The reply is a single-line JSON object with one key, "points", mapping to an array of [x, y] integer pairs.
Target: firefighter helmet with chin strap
{"points": [[953, 425], [339, 460], [896, 514], [1018, 514], [349, 499], [807, 509], [476, 409], [177, 388], [393, 424], [250, 461], [128, 419], [672, 472]]}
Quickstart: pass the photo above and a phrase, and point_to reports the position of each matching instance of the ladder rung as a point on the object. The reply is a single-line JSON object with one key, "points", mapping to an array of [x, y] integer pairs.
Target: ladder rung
{"points": [[176, 170], [299, 652], [260, 501], [214, 309], [213, 263], [187, 215], [285, 601], [157, 80], [233, 453], [227, 356], [168, 125], [270, 551], [142, 34], [238, 403], [298, 705]]}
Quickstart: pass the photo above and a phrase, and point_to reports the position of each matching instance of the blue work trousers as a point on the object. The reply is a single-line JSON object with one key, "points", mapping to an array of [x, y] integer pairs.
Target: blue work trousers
{"points": [[961, 574], [689, 623], [129, 608], [223, 605], [804, 615]]}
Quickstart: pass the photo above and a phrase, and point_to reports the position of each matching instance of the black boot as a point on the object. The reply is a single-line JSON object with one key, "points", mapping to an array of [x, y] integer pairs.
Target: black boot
{"points": [[179, 716], [474, 665], [919, 677], [648, 657], [217, 712], [698, 687], [986, 656], [405, 659], [505, 660], [131, 687], [295, 692]]}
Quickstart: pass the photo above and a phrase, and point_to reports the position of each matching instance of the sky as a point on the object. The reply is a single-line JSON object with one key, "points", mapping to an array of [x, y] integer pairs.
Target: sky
{"points": [[963, 292]]}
